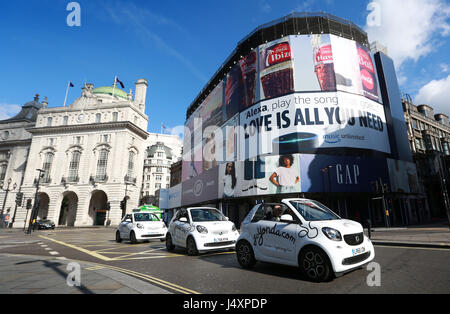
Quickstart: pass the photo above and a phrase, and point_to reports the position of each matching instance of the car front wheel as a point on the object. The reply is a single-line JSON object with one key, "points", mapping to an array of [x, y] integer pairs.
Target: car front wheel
{"points": [[191, 247], [118, 238], [169, 244], [314, 265], [245, 255], [133, 237]]}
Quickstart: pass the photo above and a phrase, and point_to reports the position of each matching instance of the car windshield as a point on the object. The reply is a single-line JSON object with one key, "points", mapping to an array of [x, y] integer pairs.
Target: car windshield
{"points": [[206, 214], [141, 217], [314, 211], [45, 221]]}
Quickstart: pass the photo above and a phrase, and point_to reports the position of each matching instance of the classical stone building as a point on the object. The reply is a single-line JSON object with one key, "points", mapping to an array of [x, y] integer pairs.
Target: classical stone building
{"points": [[15, 142], [162, 151], [429, 139], [91, 153]]}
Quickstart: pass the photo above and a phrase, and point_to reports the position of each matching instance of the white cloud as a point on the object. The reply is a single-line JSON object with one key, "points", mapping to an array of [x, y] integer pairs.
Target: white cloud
{"points": [[436, 94], [444, 67], [8, 111], [410, 28]]}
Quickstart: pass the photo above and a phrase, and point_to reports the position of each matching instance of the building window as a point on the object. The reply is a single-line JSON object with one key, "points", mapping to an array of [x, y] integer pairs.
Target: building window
{"points": [[115, 116], [3, 169], [65, 120], [98, 118], [158, 178], [159, 169], [131, 156], [157, 185], [160, 154], [102, 164], [49, 121], [47, 167], [73, 167], [149, 178]]}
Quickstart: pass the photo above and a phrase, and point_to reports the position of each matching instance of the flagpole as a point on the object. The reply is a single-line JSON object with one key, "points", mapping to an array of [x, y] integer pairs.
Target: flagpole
{"points": [[114, 86], [67, 91]]}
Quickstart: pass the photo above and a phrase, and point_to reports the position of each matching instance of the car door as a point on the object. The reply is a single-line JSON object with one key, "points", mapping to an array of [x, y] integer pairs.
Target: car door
{"points": [[256, 231], [180, 228], [126, 226]]}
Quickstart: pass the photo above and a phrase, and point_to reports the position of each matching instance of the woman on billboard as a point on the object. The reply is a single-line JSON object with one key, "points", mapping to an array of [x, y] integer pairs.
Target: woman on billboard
{"points": [[229, 180], [285, 176]]}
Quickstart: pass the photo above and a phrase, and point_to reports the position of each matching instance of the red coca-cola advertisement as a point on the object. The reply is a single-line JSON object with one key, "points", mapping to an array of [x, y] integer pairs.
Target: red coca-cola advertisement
{"points": [[234, 92], [248, 67], [277, 73], [324, 63], [368, 76]]}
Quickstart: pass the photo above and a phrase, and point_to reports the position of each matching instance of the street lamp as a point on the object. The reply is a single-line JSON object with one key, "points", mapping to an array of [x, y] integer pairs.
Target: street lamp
{"points": [[35, 209], [7, 190]]}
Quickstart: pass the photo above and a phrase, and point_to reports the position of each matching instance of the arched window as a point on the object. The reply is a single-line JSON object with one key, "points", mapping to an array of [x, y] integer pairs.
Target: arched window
{"points": [[73, 166]]}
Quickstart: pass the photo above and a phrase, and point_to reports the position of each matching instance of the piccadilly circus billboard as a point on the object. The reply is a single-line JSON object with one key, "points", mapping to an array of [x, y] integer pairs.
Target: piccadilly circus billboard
{"points": [[300, 94]]}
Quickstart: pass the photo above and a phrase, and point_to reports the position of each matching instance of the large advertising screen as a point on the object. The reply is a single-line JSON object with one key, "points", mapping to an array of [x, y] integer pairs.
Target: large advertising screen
{"points": [[299, 94]]}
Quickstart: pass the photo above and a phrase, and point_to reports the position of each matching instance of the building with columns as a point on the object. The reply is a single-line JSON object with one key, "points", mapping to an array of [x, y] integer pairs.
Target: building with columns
{"points": [[91, 153]]}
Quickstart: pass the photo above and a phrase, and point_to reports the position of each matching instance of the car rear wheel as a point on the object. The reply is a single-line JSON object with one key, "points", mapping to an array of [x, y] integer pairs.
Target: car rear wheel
{"points": [[245, 255], [191, 247], [118, 238], [314, 264], [169, 244]]}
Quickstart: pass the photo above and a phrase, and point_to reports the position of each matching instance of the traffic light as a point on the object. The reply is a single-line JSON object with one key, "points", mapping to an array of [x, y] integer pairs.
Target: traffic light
{"points": [[19, 198], [123, 204], [29, 203], [108, 206]]}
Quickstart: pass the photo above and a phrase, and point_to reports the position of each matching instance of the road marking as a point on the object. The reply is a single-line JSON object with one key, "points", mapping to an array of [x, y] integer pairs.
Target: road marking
{"points": [[96, 255], [53, 253]]}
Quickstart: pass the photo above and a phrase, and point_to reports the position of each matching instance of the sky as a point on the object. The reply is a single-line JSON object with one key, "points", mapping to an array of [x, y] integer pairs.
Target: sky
{"points": [[178, 45]]}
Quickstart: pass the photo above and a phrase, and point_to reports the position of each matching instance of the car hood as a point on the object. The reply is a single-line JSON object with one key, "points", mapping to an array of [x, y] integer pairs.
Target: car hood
{"points": [[154, 224], [344, 226]]}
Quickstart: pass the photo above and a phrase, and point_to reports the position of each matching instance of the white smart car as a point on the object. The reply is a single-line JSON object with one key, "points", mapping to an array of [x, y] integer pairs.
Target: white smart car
{"points": [[303, 233], [201, 229], [141, 226]]}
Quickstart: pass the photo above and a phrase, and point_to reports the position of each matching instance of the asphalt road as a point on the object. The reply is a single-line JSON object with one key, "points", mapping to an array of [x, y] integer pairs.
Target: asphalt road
{"points": [[402, 269]]}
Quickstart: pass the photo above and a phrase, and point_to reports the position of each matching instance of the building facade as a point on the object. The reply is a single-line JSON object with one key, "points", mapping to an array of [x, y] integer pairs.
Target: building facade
{"points": [[15, 142], [90, 154], [162, 151], [429, 139], [301, 108]]}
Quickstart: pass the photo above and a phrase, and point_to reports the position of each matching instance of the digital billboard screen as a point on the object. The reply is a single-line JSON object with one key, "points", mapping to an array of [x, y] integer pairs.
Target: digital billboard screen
{"points": [[297, 94]]}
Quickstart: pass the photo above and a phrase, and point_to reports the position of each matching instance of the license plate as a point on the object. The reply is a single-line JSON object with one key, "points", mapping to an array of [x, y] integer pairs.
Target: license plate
{"points": [[358, 251], [221, 239]]}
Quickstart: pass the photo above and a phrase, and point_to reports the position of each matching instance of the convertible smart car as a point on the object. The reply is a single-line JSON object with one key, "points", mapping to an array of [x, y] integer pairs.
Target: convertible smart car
{"points": [[303, 233], [201, 229]]}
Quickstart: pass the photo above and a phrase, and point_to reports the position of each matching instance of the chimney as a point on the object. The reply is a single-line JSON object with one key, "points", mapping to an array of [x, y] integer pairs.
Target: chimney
{"points": [[141, 93]]}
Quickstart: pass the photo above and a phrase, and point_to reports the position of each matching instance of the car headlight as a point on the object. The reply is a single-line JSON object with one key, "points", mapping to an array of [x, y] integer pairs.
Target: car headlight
{"points": [[332, 234], [140, 226], [233, 228], [202, 229]]}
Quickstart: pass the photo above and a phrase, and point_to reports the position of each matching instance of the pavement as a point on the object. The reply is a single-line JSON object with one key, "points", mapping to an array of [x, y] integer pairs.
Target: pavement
{"points": [[435, 235], [21, 274]]}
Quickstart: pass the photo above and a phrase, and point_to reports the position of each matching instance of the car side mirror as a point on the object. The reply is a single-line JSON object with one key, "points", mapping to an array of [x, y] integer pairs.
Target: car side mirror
{"points": [[183, 219], [127, 220], [287, 219]]}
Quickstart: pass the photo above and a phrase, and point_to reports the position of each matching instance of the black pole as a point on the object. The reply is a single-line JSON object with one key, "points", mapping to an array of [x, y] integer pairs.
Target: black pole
{"points": [[35, 209]]}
